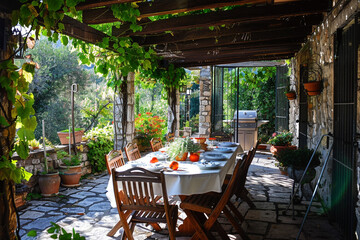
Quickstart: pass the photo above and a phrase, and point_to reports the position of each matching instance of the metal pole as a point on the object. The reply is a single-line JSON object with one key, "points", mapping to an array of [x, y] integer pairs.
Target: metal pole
{"points": [[69, 140], [44, 146], [74, 89]]}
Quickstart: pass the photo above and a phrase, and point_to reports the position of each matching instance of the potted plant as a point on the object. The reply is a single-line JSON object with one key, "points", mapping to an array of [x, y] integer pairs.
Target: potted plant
{"points": [[296, 160], [193, 149], [49, 181], [290, 94], [34, 144], [313, 86], [280, 141], [263, 139], [179, 149], [64, 136], [71, 169]]}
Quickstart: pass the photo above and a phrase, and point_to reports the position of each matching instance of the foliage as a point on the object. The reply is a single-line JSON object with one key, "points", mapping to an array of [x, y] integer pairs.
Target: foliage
{"points": [[32, 196], [181, 146], [76, 129], [298, 158], [34, 143], [281, 139], [100, 143], [9, 171], [60, 233], [264, 138], [66, 160], [148, 126], [194, 123]]}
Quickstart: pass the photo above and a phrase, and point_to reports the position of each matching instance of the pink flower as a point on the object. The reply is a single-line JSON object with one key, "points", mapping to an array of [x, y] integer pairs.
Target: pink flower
{"points": [[274, 134]]}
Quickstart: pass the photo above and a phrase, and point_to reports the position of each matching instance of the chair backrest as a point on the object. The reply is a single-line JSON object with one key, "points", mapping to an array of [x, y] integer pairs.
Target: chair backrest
{"points": [[114, 159], [132, 151], [221, 136], [137, 191], [156, 144], [170, 137], [241, 178]]}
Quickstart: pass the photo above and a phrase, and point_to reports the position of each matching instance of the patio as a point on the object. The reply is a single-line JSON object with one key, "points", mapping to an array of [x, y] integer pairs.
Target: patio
{"points": [[87, 210]]}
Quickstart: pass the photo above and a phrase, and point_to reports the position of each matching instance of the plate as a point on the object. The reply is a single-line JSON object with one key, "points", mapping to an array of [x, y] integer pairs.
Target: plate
{"points": [[223, 150], [227, 144], [154, 167], [214, 156], [208, 165]]}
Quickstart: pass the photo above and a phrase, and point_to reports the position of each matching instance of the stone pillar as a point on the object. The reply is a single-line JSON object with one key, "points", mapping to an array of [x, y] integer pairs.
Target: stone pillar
{"points": [[205, 102], [126, 93]]}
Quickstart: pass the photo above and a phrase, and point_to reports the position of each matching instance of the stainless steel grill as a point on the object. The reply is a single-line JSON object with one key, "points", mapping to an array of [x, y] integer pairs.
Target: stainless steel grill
{"points": [[246, 126]]}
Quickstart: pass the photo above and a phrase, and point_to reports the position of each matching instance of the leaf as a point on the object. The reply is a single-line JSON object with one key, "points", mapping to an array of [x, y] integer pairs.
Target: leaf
{"points": [[64, 40], [32, 233], [15, 15], [54, 236], [54, 5], [22, 149], [3, 121]]}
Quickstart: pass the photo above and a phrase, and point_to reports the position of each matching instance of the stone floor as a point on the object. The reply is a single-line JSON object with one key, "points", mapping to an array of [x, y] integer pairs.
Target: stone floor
{"points": [[87, 210]]}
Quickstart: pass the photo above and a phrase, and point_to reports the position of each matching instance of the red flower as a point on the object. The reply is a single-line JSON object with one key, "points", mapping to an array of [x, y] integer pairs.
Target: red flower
{"points": [[141, 125], [112, 122], [139, 114], [148, 113]]}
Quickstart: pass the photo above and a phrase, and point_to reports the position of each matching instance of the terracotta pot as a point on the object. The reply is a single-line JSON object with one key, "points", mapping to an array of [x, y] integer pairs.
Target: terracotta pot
{"points": [[64, 137], [262, 147], [291, 95], [49, 184], [194, 157], [283, 171], [275, 149], [313, 88], [182, 158], [70, 176]]}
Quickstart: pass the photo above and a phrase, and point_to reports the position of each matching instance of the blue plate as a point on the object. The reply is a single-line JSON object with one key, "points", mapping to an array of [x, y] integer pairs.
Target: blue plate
{"points": [[214, 156], [223, 150], [227, 144]]}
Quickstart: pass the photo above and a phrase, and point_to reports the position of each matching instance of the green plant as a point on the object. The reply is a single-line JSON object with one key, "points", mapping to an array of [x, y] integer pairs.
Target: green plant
{"points": [[58, 232], [34, 143], [187, 124], [264, 138], [74, 160], [298, 158], [76, 129], [100, 143], [192, 147], [181, 146], [32, 196], [148, 126], [281, 139]]}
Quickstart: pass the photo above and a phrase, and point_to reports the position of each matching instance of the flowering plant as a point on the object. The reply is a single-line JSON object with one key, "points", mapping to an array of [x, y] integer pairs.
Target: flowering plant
{"points": [[281, 139], [148, 126]]}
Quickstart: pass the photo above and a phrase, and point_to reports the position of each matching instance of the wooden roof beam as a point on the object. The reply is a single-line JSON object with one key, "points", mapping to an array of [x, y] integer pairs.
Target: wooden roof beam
{"points": [[89, 4], [241, 14]]}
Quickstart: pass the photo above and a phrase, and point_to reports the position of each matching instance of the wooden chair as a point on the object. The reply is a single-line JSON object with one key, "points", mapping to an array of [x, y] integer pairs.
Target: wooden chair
{"points": [[203, 210], [132, 151], [136, 202], [156, 144], [170, 137], [114, 159], [221, 136]]}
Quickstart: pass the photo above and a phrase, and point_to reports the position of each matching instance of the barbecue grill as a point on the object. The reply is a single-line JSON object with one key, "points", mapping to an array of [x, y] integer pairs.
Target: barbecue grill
{"points": [[246, 126]]}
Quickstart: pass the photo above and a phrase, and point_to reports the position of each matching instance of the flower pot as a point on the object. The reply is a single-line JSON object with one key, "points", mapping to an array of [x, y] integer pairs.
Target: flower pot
{"points": [[283, 171], [194, 157], [20, 196], [313, 88], [49, 184], [291, 95], [70, 176], [296, 174], [64, 137], [262, 147], [182, 158], [275, 149], [34, 148]]}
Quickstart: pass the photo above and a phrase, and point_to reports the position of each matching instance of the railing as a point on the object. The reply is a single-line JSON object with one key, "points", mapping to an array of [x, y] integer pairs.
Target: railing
{"points": [[317, 184]]}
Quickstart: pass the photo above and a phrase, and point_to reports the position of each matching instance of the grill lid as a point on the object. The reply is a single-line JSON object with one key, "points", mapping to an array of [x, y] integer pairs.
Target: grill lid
{"points": [[246, 115]]}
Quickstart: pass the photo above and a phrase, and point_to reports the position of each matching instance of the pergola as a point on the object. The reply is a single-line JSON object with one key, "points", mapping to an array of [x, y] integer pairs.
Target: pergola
{"points": [[254, 30]]}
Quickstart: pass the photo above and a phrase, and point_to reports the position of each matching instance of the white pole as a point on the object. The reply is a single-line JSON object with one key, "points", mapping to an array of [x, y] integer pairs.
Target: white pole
{"points": [[44, 146], [69, 140]]}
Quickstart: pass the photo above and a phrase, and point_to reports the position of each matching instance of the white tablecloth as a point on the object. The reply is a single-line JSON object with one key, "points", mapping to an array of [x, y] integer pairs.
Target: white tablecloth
{"points": [[189, 179]]}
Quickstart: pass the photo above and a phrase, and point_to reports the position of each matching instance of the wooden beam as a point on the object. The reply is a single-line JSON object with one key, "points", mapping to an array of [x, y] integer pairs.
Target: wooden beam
{"points": [[234, 60], [237, 15], [235, 28]]}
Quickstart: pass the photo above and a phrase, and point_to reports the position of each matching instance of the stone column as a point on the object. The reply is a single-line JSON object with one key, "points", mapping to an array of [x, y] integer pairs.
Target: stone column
{"points": [[205, 102], [124, 96]]}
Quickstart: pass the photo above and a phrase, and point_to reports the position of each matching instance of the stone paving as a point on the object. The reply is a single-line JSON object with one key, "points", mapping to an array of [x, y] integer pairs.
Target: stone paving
{"points": [[87, 210]]}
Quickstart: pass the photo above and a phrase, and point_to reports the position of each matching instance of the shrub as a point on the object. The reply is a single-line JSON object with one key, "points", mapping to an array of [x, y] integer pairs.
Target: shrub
{"points": [[148, 126], [281, 139], [100, 143], [298, 158]]}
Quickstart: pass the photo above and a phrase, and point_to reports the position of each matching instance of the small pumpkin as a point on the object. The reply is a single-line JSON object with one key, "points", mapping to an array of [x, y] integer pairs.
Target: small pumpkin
{"points": [[194, 157], [154, 160], [174, 165]]}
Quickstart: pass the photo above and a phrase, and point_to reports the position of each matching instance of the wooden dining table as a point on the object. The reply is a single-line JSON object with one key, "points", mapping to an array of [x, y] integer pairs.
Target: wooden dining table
{"points": [[189, 179]]}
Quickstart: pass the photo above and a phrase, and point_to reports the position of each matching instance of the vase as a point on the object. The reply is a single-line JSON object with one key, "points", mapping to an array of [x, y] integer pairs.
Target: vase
{"points": [[70, 175], [291, 95], [274, 149], [64, 137], [49, 184], [296, 174], [182, 158], [313, 88]]}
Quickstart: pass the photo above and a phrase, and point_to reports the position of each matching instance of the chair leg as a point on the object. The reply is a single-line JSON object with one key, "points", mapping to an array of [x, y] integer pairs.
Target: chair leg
{"points": [[114, 229], [235, 211], [200, 232], [243, 195], [235, 224], [221, 231]]}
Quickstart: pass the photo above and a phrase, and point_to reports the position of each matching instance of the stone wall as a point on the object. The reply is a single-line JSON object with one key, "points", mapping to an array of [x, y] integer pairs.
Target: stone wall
{"points": [[35, 162], [205, 102], [320, 48]]}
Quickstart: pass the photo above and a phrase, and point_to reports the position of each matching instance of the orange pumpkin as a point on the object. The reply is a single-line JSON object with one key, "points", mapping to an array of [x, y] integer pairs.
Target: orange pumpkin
{"points": [[194, 157], [174, 165], [154, 160]]}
